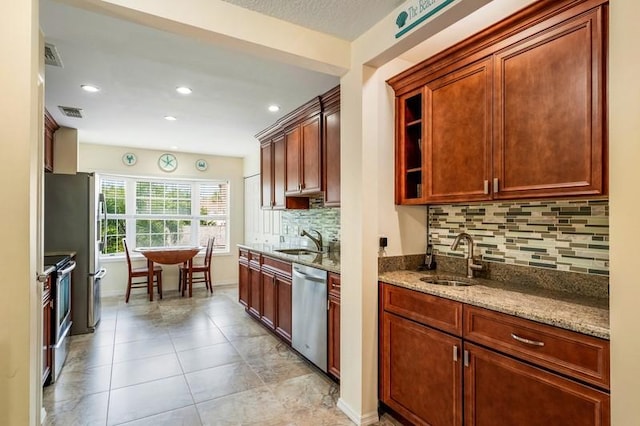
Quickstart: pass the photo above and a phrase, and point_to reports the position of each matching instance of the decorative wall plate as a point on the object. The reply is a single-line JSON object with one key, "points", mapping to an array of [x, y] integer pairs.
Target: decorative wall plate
{"points": [[168, 162], [129, 159], [202, 165]]}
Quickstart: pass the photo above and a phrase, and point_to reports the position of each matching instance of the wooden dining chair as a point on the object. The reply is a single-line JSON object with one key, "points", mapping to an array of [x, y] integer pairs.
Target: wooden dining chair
{"points": [[205, 270], [142, 272]]}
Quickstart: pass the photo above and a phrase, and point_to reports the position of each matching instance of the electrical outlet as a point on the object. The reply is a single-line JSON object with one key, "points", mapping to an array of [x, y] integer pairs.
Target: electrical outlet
{"points": [[383, 242]]}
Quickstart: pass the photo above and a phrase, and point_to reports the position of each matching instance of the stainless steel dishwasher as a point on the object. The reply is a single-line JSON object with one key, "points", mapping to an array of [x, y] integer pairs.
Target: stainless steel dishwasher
{"points": [[309, 314]]}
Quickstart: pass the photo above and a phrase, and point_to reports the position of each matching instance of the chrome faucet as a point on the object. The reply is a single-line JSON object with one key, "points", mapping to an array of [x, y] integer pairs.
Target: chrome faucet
{"points": [[471, 265], [316, 241]]}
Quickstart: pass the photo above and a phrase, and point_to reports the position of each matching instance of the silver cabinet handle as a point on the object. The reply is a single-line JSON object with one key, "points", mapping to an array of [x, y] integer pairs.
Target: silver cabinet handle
{"points": [[527, 341], [455, 353], [486, 186], [466, 358], [495, 185]]}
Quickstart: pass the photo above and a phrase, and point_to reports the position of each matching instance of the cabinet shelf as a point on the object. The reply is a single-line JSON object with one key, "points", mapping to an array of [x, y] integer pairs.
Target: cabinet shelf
{"points": [[414, 170], [414, 122]]}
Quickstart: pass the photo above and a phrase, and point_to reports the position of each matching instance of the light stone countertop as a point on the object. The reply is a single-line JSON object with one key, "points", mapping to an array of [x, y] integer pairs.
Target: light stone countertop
{"points": [[326, 261], [587, 315]]}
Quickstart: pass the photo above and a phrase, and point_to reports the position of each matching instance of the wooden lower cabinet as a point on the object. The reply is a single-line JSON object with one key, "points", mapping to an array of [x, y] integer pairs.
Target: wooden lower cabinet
{"points": [[421, 372], [500, 390], [255, 290], [431, 377], [333, 324], [268, 311], [243, 282], [283, 307]]}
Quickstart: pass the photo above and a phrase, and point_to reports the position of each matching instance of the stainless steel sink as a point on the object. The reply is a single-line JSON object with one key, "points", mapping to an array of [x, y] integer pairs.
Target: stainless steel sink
{"points": [[297, 251], [452, 282]]}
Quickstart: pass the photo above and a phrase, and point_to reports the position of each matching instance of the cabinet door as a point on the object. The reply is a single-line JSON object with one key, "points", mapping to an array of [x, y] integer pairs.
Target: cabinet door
{"points": [[499, 387], [331, 157], [244, 281], [279, 173], [255, 291], [50, 126], [549, 129], [421, 372], [292, 144], [311, 156], [333, 359], [283, 313], [410, 158], [266, 176], [458, 134], [268, 312]]}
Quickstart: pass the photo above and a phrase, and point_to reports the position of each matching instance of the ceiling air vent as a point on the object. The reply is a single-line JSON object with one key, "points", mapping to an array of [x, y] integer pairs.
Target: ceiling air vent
{"points": [[71, 111], [51, 56]]}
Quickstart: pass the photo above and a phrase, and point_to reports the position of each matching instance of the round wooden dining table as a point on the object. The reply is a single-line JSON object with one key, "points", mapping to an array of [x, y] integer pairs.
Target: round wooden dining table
{"points": [[169, 256]]}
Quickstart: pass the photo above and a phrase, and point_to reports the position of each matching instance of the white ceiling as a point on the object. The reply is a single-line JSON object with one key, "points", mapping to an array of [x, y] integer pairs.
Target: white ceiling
{"points": [[346, 19], [138, 69]]}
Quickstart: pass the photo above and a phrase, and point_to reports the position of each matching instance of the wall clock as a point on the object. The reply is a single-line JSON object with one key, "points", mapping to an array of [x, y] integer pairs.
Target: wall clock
{"points": [[129, 159], [201, 165], [168, 162]]}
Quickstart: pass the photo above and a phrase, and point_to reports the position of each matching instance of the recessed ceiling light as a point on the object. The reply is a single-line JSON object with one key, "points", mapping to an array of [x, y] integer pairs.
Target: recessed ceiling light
{"points": [[90, 88], [173, 147], [274, 108], [170, 118], [183, 90]]}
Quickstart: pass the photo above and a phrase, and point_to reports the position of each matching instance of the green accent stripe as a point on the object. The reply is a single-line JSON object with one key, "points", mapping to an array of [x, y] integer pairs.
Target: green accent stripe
{"points": [[424, 17]]}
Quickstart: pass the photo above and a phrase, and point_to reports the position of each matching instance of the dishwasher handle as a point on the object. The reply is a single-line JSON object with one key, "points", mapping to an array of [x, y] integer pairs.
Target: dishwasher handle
{"points": [[307, 276]]}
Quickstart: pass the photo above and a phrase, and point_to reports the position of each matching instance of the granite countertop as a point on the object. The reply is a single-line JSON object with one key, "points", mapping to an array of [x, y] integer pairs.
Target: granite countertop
{"points": [[326, 261], [584, 314]]}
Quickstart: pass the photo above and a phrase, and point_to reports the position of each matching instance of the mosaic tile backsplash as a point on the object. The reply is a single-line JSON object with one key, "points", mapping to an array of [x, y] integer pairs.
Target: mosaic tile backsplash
{"points": [[562, 235], [326, 220]]}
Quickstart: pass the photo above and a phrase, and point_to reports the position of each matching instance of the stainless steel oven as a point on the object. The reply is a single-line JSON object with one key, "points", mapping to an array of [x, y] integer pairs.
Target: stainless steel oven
{"points": [[61, 321]]}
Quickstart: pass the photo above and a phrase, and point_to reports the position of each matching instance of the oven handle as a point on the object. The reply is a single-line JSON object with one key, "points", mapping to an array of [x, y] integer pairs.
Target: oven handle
{"points": [[100, 274], [71, 267]]}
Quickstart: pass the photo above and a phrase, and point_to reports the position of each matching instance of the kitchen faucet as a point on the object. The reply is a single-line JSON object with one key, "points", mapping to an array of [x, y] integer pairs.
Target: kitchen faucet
{"points": [[316, 241], [471, 265]]}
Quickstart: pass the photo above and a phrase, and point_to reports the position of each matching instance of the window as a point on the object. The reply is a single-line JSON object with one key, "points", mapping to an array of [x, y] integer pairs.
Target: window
{"points": [[153, 212]]}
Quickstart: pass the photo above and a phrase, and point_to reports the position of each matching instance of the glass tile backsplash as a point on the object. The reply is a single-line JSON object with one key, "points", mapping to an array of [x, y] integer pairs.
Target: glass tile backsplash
{"points": [[326, 220], [562, 235]]}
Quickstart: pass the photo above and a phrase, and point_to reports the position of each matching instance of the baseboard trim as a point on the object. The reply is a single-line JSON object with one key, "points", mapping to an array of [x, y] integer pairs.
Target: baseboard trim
{"points": [[364, 420]]}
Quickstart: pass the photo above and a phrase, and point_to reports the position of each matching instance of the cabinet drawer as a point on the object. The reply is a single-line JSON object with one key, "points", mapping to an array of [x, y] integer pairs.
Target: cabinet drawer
{"points": [[443, 314], [583, 357], [334, 285], [276, 265], [243, 255]]}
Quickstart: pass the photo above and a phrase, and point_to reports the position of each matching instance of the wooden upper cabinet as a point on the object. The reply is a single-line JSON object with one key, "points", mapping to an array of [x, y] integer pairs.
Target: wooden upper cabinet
{"points": [[272, 166], [549, 106], [457, 127], [515, 111], [266, 177], [331, 147], [410, 176], [304, 158], [50, 126]]}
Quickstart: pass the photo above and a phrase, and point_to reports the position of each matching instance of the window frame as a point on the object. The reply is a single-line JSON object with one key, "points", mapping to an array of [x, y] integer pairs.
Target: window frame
{"points": [[130, 216]]}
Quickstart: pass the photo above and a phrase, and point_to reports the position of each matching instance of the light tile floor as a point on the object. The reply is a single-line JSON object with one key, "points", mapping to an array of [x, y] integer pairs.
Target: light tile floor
{"points": [[188, 361]]}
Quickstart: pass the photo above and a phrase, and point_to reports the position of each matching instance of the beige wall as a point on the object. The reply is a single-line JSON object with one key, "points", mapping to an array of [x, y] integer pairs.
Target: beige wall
{"points": [[20, 124], [108, 159], [624, 176]]}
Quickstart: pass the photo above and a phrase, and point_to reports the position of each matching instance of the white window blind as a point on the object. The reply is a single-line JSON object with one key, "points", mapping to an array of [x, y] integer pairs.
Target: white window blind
{"points": [[153, 213]]}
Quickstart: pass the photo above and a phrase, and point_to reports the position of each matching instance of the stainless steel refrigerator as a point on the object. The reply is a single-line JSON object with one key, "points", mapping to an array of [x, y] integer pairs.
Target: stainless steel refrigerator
{"points": [[73, 209]]}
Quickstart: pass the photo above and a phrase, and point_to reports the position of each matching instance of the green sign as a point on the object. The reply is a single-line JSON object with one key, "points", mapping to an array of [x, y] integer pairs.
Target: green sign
{"points": [[416, 12]]}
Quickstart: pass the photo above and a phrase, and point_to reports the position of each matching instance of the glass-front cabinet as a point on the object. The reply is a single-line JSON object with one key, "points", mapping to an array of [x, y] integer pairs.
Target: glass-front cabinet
{"points": [[410, 177]]}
